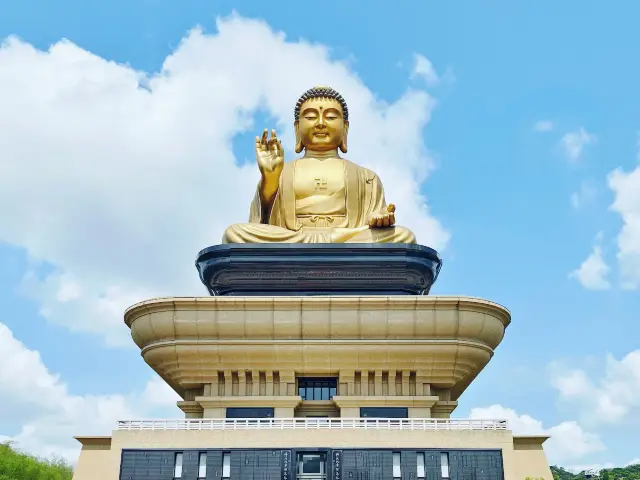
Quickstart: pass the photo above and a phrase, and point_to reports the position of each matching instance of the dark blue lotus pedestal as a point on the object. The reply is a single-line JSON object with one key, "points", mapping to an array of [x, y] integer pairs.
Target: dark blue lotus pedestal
{"points": [[318, 269]]}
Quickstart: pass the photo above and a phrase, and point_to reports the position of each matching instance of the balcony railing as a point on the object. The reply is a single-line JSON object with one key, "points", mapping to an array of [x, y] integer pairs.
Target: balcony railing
{"points": [[313, 423]]}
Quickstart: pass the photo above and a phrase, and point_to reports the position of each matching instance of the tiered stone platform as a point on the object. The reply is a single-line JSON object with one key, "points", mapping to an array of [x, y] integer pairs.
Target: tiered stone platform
{"points": [[318, 269]]}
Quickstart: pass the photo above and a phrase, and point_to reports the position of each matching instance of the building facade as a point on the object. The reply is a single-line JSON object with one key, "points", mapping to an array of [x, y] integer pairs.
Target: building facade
{"points": [[316, 388]]}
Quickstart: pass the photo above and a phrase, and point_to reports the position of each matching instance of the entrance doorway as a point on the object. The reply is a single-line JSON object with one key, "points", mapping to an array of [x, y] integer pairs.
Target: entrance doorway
{"points": [[312, 466]]}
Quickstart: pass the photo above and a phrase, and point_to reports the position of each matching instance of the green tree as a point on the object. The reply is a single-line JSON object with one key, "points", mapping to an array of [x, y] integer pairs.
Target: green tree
{"points": [[16, 465]]}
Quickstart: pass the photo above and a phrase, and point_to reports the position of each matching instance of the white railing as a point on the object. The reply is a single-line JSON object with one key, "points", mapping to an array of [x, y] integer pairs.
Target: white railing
{"points": [[313, 423]]}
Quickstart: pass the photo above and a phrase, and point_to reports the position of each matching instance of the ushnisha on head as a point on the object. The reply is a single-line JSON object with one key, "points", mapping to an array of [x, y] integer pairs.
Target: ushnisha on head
{"points": [[321, 120]]}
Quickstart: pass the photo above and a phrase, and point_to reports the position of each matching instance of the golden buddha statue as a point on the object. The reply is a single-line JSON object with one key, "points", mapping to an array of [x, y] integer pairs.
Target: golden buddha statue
{"points": [[320, 197]]}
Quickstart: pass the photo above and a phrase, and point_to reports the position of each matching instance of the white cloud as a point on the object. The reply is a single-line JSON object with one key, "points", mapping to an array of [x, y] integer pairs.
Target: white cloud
{"points": [[568, 440], [422, 67], [626, 189], [585, 195], [593, 271], [610, 399], [118, 187], [543, 126], [635, 461], [32, 396], [573, 143]]}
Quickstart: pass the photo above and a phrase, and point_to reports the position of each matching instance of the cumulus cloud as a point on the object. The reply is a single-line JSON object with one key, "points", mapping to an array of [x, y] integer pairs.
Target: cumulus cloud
{"points": [[117, 178], [543, 126], [610, 399], [49, 415], [568, 439], [592, 273], [573, 143], [423, 68], [626, 190]]}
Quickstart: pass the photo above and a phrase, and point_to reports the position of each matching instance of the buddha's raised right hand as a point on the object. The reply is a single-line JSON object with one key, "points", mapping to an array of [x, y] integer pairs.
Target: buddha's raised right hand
{"points": [[269, 154], [270, 157]]}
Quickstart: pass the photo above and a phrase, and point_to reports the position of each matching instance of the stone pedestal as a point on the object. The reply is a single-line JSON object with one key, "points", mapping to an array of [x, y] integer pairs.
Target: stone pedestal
{"points": [[380, 348], [318, 269]]}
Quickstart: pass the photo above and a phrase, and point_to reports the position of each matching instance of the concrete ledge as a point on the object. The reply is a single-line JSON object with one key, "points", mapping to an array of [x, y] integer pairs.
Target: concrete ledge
{"points": [[266, 401], [525, 442], [95, 441], [385, 401]]}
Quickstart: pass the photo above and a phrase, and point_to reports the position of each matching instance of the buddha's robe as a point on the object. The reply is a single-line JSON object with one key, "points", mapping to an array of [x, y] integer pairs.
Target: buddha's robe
{"points": [[328, 202]]}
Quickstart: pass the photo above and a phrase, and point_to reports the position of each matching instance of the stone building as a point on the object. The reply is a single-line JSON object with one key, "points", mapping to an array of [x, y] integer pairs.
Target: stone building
{"points": [[357, 383]]}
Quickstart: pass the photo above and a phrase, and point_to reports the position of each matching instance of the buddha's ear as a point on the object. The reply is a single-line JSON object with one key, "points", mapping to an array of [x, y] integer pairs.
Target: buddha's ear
{"points": [[299, 146], [345, 133]]}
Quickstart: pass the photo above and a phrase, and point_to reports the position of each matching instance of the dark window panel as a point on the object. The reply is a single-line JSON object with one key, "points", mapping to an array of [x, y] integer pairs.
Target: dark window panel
{"points": [[384, 412], [250, 412]]}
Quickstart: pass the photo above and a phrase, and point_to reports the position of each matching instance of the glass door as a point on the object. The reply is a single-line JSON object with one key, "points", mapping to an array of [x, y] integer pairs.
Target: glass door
{"points": [[312, 466]]}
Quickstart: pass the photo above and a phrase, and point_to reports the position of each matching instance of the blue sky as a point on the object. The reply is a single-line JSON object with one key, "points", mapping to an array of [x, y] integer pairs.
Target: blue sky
{"points": [[535, 106]]}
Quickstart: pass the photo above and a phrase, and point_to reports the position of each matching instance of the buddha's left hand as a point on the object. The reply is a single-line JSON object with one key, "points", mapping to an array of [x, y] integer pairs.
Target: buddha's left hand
{"points": [[385, 218]]}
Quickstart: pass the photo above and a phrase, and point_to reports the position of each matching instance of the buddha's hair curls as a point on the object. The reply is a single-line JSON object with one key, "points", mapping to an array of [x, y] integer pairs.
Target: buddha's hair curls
{"points": [[321, 92]]}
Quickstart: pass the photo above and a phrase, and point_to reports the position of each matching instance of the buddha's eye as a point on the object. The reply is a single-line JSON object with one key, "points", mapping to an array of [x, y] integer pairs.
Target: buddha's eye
{"points": [[310, 117]]}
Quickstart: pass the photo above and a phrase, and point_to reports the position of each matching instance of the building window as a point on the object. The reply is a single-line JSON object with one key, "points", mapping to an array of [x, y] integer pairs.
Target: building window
{"points": [[250, 412], [384, 412], [202, 466], [420, 465], [397, 472], [177, 470], [311, 388], [226, 465], [444, 462], [311, 465]]}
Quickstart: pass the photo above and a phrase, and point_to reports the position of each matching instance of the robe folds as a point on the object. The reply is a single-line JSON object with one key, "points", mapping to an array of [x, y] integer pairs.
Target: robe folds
{"points": [[279, 222]]}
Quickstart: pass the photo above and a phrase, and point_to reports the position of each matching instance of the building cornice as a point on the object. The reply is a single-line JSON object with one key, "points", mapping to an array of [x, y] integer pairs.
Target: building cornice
{"points": [[408, 302], [244, 401], [189, 406], [94, 441], [529, 440], [384, 401]]}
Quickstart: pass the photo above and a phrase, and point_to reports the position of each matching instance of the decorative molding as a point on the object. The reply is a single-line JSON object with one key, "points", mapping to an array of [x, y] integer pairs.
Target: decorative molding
{"points": [[189, 406], [318, 269], [444, 407], [311, 303], [529, 440], [244, 401], [385, 401], [376, 343], [94, 441]]}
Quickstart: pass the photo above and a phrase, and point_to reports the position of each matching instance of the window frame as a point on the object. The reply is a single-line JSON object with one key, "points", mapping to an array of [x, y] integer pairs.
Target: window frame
{"points": [[419, 467], [327, 386], [396, 412], [202, 468], [397, 466], [445, 465], [249, 412], [178, 466], [226, 465]]}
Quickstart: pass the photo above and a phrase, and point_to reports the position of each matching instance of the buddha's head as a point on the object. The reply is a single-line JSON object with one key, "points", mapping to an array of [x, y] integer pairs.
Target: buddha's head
{"points": [[321, 120]]}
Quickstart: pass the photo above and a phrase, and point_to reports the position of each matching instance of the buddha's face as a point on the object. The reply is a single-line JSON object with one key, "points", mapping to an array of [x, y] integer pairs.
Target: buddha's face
{"points": [[321, 125]]}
